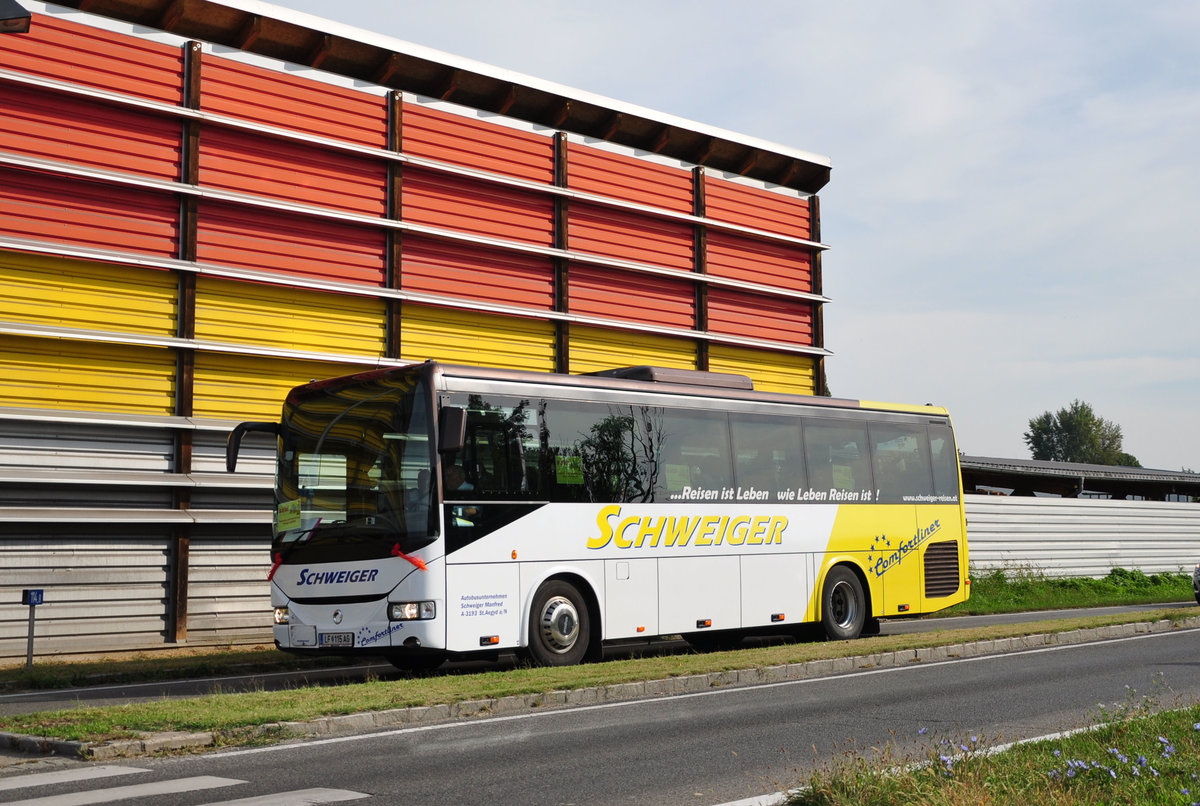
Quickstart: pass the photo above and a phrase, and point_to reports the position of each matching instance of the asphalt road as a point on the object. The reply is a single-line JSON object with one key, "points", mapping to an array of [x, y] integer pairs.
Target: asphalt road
{"points": [[119, 694], [720, 746]]}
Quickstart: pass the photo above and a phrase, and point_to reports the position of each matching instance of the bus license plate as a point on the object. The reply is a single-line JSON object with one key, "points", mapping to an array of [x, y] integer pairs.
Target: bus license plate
{"points": [[335, 639]]}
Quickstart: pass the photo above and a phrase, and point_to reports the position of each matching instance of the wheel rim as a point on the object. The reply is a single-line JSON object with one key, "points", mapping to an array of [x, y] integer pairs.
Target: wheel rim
{"points": [[560, 624], [843, 604]]}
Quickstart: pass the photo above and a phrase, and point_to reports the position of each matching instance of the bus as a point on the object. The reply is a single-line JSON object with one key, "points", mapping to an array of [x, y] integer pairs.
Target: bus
{"points": [[431, 511]]}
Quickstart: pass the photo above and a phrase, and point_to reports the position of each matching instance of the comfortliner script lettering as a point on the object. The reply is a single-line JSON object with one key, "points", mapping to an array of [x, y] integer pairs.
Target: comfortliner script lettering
{"points": [[677, 531]]}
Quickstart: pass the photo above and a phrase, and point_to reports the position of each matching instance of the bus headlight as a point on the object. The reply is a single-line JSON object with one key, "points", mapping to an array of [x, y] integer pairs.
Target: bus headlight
{"points": [[281, 615], [411, 611]]}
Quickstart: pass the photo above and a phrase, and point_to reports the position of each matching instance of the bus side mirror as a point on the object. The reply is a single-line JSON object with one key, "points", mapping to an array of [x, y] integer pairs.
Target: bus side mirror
{"points": [[234, 443], [452, 429]]}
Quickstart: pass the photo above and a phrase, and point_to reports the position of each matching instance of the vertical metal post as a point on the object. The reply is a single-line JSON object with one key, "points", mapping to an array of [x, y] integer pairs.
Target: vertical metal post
{"points": [[29, 645], [33, 598]]}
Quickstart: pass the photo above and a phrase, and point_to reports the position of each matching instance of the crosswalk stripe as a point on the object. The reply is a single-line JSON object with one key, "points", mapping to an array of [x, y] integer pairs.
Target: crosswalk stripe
{"points": [[119, 793], [65, 776], [298, 797]]}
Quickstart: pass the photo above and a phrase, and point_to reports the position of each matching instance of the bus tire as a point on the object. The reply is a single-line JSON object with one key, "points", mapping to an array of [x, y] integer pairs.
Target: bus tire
{"points": [[843, 606], [560, 627]]}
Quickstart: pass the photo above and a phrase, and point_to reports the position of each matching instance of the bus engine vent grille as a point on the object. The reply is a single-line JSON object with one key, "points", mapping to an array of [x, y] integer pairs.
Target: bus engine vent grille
{"points": [[941, 569]]}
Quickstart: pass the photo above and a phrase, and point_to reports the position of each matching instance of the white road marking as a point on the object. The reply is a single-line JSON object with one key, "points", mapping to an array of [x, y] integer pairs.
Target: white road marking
{"points": [[298, 797], [121, 793], [65, 776]]}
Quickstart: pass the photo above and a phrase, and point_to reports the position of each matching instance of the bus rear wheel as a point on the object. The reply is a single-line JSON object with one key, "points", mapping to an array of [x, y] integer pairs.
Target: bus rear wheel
{"points": [[560, 628], [843, 606]]}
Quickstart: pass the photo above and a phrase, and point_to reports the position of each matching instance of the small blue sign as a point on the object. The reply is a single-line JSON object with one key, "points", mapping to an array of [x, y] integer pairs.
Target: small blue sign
{"points": [[31, 596]]}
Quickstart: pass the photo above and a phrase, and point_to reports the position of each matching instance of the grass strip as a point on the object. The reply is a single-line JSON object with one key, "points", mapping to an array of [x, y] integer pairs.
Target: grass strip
{"points": [[230, 715], [1139, 754]]}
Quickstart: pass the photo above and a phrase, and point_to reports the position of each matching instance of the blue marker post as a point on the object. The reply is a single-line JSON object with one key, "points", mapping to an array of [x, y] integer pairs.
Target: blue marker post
{"points": [[33, 598]]}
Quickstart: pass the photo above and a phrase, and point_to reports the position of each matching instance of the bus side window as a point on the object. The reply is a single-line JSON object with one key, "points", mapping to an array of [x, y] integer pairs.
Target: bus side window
{"points": [[945, 462], [690, 450], [838, 458], [900, 454], [768, 454]]}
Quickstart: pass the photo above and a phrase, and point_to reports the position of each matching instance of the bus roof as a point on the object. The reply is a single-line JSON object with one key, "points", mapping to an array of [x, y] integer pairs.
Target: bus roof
{"points": [[674, 381]]}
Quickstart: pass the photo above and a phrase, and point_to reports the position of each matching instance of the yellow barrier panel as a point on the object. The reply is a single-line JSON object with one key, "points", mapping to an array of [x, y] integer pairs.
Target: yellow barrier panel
{"points": [[770, 371]]}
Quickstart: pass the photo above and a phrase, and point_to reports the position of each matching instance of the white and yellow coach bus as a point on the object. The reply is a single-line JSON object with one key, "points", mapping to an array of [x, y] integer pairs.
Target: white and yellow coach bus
{"points": [[434, 510]]}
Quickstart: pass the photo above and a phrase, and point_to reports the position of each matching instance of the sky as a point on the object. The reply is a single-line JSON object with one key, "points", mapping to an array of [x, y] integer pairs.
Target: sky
{"points": [[1014, 209]]}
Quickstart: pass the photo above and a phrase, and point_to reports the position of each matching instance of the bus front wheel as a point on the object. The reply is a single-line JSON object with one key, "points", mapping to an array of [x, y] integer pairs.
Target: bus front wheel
{"points": [[559, 625], [843, 606]]}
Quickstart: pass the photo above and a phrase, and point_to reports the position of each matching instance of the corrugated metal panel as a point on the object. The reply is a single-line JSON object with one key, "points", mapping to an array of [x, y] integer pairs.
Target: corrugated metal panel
{"points": [[770, 371], [618, 176], [80, 131], [466, 205], [64, 374], [242, 387], [1081, 537], [288, 318], [229, 598], [630, 236], [474, 272], [92, 296], [62, 50], [294, 172], [475, 143], [646, 298], [757, 316], [276, 98], [67, 446], [53, 208], [594, 348], [758, 208], [466, 337], [757, 261], [289, 244], [257, 455], [104, 591], [52, 497]]}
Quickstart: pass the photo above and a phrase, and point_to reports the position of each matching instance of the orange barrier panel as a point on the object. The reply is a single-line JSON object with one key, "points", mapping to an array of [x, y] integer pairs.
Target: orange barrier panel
{"points": [[646, 298], [762, 209], [81, 131], [475, 143], [467, 271], [53, 208], [478, 208], [630, 236], [628, 178], [292, 102], [753, 260], [288, 243], [291, 171], [758, 316], [65, 51]]}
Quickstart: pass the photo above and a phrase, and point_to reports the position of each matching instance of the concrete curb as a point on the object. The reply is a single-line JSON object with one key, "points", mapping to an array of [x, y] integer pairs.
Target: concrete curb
{"points": [[620, 692]]}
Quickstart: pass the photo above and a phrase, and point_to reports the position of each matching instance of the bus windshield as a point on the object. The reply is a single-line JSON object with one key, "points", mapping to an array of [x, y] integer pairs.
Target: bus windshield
{"points": [[355, 467]]}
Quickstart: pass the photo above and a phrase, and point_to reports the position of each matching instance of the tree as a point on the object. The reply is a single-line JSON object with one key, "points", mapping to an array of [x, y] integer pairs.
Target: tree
{"points": [[1076, 434]]}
